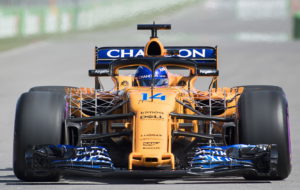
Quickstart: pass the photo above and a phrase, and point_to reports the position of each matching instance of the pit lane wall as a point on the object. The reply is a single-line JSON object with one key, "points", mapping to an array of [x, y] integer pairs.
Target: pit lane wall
{"points": [[52, 17]]}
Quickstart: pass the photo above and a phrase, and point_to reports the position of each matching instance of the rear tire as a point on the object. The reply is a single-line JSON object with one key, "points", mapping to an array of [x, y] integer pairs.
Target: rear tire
{"points": [[39, 120], [263, 119]]}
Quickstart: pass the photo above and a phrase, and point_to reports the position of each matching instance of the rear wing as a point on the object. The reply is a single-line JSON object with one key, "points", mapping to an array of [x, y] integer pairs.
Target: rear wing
{"points": [[204, 57]]}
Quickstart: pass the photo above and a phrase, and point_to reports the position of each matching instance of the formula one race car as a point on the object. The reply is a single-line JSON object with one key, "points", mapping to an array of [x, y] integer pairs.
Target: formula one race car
{"points": [[154, 123]]}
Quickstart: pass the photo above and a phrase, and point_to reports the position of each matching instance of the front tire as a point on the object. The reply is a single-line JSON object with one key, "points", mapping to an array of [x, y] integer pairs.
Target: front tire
{"points": [[60, 89], [263, 119], [39, 120]]}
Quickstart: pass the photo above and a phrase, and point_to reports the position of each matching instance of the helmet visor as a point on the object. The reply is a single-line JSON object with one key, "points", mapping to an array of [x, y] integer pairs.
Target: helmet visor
{"points": [[157, 82]]}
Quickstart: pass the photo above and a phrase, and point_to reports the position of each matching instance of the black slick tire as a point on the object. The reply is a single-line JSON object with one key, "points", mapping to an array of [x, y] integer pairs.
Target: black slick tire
{"points": [[39, 120], [50, 88], [263, 119]]}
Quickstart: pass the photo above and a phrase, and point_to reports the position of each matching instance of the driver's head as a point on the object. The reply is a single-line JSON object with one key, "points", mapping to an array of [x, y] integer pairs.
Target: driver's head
{"points": [[143, 76]]}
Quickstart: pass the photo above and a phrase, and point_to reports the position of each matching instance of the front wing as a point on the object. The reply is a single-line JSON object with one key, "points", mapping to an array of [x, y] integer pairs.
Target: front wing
{"points": [[232, 160]]}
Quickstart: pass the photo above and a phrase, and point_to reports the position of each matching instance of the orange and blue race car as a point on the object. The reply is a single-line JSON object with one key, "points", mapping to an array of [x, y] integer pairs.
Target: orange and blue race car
{"points": [[153, 124]]}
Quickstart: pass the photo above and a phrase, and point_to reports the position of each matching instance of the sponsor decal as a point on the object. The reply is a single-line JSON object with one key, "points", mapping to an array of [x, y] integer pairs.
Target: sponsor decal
{"points": [[158, 96], [117, 53], [185, 53], [206, 72], [150, 143], [151, 147], [151, 135], [101, 71], [152, 115], [123, 53]]}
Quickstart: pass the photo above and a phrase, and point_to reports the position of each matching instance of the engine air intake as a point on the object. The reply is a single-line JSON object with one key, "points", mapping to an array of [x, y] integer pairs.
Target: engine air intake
{"points": [[154, 49]]}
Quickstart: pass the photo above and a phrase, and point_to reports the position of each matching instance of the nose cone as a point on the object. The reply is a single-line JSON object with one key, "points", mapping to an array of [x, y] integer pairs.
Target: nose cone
{"points": [[152, 129]]}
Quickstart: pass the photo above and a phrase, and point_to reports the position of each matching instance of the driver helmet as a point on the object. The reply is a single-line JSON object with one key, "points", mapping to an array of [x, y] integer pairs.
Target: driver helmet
{"points": [[143, 76]]}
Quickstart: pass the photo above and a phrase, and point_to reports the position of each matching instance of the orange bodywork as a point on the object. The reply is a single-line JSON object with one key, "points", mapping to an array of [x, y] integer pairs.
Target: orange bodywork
{"points": [[152, 124]]}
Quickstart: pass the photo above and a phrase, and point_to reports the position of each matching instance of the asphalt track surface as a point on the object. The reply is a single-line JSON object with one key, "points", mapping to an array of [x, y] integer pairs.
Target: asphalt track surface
{"points": [[265, 56]]}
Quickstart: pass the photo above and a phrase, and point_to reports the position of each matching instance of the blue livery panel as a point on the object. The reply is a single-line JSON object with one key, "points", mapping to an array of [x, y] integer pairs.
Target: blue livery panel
{"points": [[105, 55]]}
